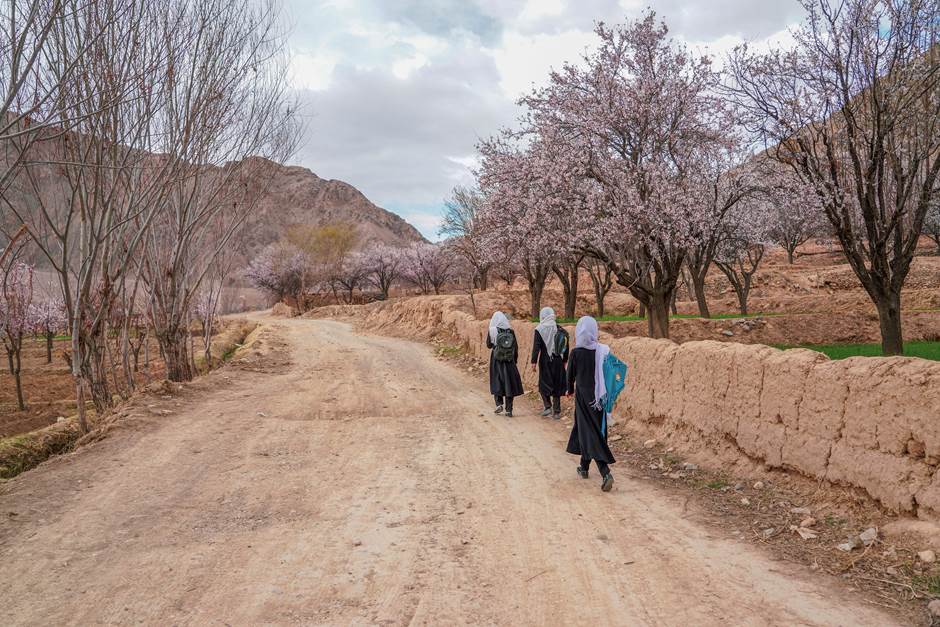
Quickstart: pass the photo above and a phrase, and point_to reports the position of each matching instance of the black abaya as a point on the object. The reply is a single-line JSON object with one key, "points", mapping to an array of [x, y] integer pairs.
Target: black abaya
{"points": [[589, 433], [551, 368], [504, 375]]}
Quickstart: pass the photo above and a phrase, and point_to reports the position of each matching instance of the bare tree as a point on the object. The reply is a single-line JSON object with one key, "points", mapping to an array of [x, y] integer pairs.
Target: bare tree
{"points": [[90, 194], [227, 121], [32, 72], [461, 226]]}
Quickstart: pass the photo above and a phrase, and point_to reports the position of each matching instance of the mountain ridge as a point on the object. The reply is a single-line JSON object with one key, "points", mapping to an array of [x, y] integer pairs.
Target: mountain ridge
{"points": [[296, 195]]}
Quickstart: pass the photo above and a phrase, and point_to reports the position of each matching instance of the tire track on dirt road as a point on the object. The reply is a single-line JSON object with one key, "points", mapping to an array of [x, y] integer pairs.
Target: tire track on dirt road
{"points": [[362, 485]]}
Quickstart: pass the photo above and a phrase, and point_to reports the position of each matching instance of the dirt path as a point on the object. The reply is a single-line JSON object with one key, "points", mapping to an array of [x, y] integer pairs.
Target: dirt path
{"points": [[362, 486]]}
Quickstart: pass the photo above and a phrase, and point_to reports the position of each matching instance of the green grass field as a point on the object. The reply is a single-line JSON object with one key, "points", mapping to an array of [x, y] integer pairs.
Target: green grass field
{"points": [[924, 350], [632, 318]]}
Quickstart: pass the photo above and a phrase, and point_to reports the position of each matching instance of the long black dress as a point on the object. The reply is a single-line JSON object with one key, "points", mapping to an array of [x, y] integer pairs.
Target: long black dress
{"points": [[551, 368], [587, 439], [504, 375]]}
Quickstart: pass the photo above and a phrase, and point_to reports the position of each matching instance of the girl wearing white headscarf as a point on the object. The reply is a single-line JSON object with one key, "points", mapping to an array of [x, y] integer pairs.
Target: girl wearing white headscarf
{"points": [[505, 382], [586, 380], [550, 360]]}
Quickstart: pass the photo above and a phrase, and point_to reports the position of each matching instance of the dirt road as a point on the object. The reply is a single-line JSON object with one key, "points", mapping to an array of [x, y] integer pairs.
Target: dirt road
{"points": [[360, 484]]}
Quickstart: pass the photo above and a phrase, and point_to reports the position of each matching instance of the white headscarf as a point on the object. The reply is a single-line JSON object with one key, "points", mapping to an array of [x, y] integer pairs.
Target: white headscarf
{"points": [[585, 336], [547, 329], [497, 322]]}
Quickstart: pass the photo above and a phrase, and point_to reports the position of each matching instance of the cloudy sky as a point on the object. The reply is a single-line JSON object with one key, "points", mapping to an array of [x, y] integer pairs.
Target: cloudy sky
{"points": [[397, 93]]}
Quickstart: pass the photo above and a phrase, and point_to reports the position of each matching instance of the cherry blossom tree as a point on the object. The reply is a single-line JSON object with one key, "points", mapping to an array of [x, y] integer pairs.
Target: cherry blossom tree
{"points": [[854, 111], [16, 293], [427, 266], [278, 270], [642, 114], [727, 179], [743, 242], [532, 188], [49, 318], [794, 214], [382, 265], [353, 274]]}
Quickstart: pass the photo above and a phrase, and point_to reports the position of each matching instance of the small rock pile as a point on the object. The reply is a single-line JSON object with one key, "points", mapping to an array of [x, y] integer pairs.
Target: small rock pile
{"points": [[744, 325]]}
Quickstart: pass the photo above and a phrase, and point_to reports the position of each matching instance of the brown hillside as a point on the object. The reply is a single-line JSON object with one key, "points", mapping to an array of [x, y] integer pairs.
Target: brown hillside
{"points": [[298, 196]]}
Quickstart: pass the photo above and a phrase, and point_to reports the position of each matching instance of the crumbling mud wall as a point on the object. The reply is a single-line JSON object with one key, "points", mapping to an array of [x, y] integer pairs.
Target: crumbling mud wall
{"points": [[869, 423]]}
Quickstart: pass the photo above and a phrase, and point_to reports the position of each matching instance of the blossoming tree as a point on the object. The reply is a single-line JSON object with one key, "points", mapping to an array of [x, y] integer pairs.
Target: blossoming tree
{"points": [[854, 111]]}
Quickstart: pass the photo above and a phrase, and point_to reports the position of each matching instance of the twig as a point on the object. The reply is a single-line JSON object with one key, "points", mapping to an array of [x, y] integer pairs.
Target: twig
{"points": [[537, 575], [893, 583]]}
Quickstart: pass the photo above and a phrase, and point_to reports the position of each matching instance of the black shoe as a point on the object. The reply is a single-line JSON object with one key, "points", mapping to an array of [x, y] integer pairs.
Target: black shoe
{"points": [[583, 472], [499, 409], [556, 417], [547, 412], [509, 414], [608, 483]]}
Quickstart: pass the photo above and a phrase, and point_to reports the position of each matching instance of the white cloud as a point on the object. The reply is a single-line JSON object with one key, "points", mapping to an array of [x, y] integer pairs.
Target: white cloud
{"points": [[427, 223], [524, 60], [535, 9], [400, 91]]}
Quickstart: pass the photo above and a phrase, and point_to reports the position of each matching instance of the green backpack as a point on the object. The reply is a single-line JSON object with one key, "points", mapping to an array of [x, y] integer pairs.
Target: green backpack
{"points": [[505, 345]]}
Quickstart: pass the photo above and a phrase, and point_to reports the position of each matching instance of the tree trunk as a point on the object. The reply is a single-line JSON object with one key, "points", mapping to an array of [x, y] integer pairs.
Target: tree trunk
{"points": [[658, 314], [10, 365], [642, 312], [743, 292], [698, 286], [175, 348], [49, 336], [672, 303], [599, 296], [889, 318], [567, 274], [20, 401], [79, 379], [95, 372], [791, 254], [535, 301], [536, 274], [484, 275]]}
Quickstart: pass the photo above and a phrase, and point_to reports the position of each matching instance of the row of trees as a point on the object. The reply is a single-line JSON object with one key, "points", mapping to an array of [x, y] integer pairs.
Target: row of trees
{"points": [[21, 316], [652, 164], [295, 268], [136, 139]]}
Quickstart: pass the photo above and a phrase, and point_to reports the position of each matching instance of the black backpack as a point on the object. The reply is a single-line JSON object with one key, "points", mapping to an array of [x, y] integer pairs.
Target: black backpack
{"points": [[505, 345], [561, 342]]}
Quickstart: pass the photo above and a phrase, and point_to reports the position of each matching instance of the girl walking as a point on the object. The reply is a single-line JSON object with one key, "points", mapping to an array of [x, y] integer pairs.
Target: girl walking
{"points": [[586, 380], [505, 382], [550, 355]]}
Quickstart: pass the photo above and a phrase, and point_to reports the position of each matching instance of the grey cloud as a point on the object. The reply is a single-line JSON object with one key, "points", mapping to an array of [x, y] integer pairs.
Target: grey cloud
{"points": [[694, 20], [444, 18], [391, 137]]}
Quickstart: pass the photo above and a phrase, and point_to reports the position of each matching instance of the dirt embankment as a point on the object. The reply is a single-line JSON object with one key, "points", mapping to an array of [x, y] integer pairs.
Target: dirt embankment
{"points": [[865, 423], [21, 452]]}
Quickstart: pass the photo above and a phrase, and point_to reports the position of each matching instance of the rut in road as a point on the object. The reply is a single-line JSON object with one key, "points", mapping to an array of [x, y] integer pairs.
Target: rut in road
{"points": [[361, 485]]}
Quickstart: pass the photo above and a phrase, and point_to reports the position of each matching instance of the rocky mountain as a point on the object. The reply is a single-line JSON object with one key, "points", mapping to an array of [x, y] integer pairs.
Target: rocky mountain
{"points": [[295, 195]]}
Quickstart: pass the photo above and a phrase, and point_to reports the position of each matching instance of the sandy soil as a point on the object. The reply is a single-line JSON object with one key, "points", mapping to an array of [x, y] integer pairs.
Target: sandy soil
{"points": [[367, 482]]}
